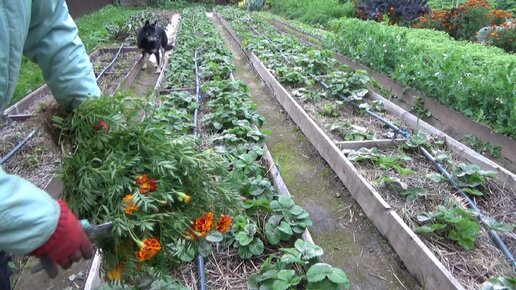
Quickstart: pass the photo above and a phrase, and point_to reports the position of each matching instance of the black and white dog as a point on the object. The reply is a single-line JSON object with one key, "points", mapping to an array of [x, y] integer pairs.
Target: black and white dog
{"points": [[152, 39]]}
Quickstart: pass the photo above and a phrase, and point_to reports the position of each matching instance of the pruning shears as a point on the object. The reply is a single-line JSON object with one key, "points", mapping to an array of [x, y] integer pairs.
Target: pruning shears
{"points": [[94, 233]]}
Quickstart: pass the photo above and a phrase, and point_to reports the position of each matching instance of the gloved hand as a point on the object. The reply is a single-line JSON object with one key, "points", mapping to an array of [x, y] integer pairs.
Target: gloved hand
{"points": [[68, 243]]}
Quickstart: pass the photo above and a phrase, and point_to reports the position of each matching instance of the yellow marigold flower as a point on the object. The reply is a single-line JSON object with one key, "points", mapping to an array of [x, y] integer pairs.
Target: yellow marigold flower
{"points": [[129, 206], [183, 197], [116, 273]]}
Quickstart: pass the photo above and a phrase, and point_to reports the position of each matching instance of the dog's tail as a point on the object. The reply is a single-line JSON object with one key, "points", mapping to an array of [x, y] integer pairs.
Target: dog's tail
{"points": [[169, 47]]}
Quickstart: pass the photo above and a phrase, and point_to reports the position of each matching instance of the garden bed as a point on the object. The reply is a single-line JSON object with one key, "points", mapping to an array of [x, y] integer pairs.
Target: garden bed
{"points": [[446, 119], [118, 75], [471, 267], [431, 272]]}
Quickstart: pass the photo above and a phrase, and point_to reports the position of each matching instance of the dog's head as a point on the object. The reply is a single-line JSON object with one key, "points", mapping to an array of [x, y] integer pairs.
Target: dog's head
{"points": [[150, 31]]}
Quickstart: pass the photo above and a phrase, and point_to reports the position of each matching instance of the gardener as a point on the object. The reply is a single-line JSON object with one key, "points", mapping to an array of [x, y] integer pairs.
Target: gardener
{"points": [[31, 222]]}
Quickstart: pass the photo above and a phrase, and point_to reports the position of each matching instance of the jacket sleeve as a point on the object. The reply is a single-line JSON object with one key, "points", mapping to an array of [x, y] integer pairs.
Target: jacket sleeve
{"points": [[28, 215], [53, 43]]}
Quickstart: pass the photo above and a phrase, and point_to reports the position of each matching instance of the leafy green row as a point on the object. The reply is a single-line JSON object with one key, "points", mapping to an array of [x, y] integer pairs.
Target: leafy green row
{"points": [[197, 33]]}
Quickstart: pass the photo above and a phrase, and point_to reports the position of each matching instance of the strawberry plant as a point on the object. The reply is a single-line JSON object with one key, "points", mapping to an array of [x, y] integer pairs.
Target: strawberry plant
{"points": [[470, 176], [244, 239], [298, 268], [287, 219], [329, 110], [383, 161], [461, 225], [351, 132]]}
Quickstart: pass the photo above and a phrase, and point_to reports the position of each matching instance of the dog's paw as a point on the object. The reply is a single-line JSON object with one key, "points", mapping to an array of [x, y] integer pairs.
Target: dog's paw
{"points": [[155, 65], [144, 67], [158, 71]]}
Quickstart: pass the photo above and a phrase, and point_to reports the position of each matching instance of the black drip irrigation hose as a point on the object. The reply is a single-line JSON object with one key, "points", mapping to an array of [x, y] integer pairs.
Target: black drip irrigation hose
{"points": [[494, 235], [111, 63], [17, 147], [200, 259]]}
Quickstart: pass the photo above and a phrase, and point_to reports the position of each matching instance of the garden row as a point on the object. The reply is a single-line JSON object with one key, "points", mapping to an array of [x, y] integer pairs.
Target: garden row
{"points": [[472, 79], [334, 98], [173, 195], [475, 135]]}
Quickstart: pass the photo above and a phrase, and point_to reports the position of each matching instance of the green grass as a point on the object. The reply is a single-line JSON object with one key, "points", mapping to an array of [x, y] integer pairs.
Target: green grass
{"points": [[312, 11], [93, 35]]}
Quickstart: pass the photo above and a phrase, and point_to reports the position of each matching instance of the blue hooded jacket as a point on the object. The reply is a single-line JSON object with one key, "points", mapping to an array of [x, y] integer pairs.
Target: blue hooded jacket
{"points": [[45, 33]]}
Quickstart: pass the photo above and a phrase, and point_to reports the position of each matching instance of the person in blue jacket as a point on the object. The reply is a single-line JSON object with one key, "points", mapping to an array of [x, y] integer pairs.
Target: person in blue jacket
{"points": [[31, 222]]}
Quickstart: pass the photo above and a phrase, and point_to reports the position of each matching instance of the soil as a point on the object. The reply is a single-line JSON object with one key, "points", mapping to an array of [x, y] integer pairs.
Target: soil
{"points": [[38, 158], [349, 239], [470, 267]]}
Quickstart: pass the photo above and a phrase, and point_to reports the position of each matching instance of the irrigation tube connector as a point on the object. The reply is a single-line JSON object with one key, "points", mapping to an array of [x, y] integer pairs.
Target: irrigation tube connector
{"points": [[200, 259], [111, 63], [18, 147], [494, 235]]}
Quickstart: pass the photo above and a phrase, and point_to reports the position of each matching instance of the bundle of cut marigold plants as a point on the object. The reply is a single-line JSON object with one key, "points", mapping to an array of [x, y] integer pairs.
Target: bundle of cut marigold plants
{"points": [[157, 187]]}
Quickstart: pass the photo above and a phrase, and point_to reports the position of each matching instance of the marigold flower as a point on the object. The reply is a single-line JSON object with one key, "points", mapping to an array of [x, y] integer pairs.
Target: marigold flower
{"points": [[224, 223], [101, 125], [116, 273], [203, 224], [183, 197], [148, 249], [129, 206], [146, 184]]}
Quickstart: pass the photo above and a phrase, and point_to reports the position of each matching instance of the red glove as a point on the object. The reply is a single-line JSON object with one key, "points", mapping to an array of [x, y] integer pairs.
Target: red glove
{"points": [[69, 241]]}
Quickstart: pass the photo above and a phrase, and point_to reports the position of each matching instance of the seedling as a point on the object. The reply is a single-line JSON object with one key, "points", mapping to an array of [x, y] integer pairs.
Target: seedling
{"points": [[461, 225], [329, 110], [351, 132], [481, 147], [288, 219], [418, 107], [470, 176]]}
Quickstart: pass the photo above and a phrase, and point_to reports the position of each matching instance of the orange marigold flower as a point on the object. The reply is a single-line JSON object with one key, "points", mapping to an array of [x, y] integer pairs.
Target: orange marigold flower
{"points": [[146, 184], [116, 273], [148, 249], [101, 125], [129, 206], [203, 224], [224, 223]]}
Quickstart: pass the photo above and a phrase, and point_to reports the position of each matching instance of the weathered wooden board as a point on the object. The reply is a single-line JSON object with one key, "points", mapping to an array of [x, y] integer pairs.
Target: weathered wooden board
{"points": [[417, 257], [380, 143]]}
